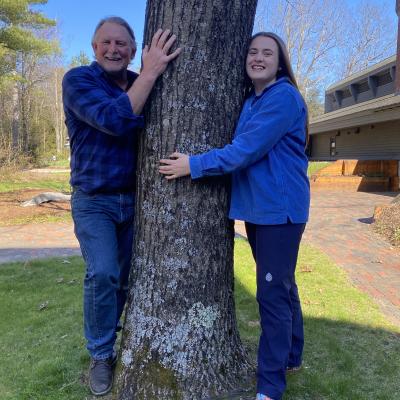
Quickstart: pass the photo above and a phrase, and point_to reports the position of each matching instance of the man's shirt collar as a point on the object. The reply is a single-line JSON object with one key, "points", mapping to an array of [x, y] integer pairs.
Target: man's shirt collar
{"points": [[99, 71]]}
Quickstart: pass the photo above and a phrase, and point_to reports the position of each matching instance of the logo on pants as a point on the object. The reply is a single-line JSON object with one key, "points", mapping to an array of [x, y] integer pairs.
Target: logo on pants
{"points": [[268, 277]]}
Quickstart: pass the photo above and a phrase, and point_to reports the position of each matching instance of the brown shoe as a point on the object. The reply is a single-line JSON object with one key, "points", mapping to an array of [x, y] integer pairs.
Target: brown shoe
{"points": [[101, 375]]}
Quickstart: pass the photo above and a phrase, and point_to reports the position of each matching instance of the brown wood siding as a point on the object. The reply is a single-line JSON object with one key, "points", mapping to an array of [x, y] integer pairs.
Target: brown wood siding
{"points": [[372, 142]]}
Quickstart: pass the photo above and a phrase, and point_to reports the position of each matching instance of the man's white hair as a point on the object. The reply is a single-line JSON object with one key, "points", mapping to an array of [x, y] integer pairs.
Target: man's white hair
{"points": [[115, 20]]}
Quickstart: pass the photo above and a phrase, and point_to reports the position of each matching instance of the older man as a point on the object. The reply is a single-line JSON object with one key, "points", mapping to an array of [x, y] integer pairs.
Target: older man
{"points": [[102, 104]]}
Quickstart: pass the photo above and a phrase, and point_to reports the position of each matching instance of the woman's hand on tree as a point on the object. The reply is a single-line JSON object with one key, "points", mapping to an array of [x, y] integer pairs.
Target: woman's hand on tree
{"points": [[175, 166]]}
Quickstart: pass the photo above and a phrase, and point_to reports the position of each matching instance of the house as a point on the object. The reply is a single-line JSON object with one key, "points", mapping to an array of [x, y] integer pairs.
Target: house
{"points": [[360, 129], [361, 119]]}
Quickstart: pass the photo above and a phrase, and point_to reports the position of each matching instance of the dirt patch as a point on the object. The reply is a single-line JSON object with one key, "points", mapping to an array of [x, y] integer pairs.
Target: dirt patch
{"points": [[387, 221], [11, 212]]}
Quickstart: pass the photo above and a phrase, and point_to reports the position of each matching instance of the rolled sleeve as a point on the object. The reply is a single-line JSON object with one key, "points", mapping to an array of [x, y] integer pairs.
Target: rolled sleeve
{"points": [[123, 107], [195, 167]]}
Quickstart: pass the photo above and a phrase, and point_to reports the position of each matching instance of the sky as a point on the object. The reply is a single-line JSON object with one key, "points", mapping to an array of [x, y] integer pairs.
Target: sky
{"points": [[78, 18]]}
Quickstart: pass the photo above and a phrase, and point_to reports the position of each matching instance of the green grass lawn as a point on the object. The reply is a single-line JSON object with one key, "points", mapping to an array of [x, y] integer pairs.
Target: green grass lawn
{"points": [[351, 352], [314, 166], [60, 163], [36, 219], [58, 182]]}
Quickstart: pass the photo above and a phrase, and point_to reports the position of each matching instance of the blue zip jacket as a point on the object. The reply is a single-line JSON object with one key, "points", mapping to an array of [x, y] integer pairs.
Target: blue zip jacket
{"points": [[266, 158]]}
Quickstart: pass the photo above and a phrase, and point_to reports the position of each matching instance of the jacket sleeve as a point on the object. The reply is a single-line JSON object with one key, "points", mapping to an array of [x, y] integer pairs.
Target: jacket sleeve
{"points": [[261, 133], [83, 95]]}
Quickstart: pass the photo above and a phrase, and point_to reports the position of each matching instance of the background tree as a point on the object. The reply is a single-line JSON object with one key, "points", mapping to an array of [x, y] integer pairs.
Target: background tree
{"points": [[21, 49], [329, 39], [81, 59], [18, 24], [180, 337], [370, 37], [55, 128]]}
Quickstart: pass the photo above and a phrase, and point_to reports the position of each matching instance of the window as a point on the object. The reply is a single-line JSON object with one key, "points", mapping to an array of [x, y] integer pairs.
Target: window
{"points": [[363, 86], [332, 146], [384, 79]]}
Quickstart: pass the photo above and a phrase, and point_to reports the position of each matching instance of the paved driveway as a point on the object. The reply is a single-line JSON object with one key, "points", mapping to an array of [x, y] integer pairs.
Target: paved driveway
{"points": [[340, 226], [24, 242]]}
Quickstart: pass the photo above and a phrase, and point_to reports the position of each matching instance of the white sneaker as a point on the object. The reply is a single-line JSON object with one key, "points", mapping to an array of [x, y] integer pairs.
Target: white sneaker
{"points": [[261, 396]]}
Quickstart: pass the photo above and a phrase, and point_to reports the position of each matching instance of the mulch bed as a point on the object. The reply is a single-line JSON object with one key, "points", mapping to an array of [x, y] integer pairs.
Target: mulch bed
{"points": [[11, 210], [387, 221]]}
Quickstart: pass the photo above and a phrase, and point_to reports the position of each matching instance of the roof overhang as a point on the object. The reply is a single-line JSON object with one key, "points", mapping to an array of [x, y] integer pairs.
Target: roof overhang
{"points": [[383, 109], [355, 78]]}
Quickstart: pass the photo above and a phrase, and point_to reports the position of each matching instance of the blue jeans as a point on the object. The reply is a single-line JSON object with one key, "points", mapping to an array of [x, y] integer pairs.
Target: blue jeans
{"points": [[275, 249], [104, 229]]}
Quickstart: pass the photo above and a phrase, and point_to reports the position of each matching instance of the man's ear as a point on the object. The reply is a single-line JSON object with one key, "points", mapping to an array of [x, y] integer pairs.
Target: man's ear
{"points": [[94, 47], [133, 54]]}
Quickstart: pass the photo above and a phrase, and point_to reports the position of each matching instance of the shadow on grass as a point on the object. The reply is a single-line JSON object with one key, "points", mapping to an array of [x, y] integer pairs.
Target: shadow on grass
{"points": [[342, 360], [42, 354]]}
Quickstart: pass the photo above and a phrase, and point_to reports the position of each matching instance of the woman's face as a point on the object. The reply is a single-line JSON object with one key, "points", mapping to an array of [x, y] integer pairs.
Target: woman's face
{"points": [[262, 62]]}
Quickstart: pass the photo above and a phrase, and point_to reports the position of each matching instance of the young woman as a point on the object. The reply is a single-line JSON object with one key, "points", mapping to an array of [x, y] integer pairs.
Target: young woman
{"points": [[270, 192]]}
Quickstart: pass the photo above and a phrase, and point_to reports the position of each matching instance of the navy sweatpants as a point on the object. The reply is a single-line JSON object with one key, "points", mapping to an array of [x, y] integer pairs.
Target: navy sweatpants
{"points": [[275, 249]]}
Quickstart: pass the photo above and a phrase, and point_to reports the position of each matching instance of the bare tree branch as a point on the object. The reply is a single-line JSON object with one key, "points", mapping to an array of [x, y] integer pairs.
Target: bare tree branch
{"points": [[329, 39]]}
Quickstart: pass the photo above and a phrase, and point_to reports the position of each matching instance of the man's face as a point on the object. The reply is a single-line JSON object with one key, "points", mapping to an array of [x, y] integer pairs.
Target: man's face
{"points": [[113, 48]]}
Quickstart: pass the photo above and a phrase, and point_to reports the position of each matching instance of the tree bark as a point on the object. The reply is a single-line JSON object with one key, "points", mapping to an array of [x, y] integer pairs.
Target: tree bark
{"points": [[15, 118], [397, 82], [180, 337], [58, 111]]}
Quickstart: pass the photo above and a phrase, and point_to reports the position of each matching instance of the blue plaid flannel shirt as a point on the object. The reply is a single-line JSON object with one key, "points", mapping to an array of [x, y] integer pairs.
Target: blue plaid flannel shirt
{"points": [[102, 129]]}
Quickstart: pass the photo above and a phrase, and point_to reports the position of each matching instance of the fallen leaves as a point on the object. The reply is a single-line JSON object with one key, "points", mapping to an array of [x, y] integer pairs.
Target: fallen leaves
{"points": [[305, 268], [43, 305]]}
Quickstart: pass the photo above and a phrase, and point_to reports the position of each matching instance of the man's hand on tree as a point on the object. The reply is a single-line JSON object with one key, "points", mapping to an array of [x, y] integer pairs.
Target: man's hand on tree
{"points": [[175, 166], [156, 58]]}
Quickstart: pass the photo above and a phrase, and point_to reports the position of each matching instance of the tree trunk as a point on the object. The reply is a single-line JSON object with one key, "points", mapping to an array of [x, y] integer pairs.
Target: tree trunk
{"points": [[397, 81], [57, 111], [15, 118], [180, 337], [24, 119], [24, 99]]}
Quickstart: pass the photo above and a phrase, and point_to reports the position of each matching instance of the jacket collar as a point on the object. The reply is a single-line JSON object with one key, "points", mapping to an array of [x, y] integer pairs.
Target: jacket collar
{"points": [[99, 71], [276, 83]]}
